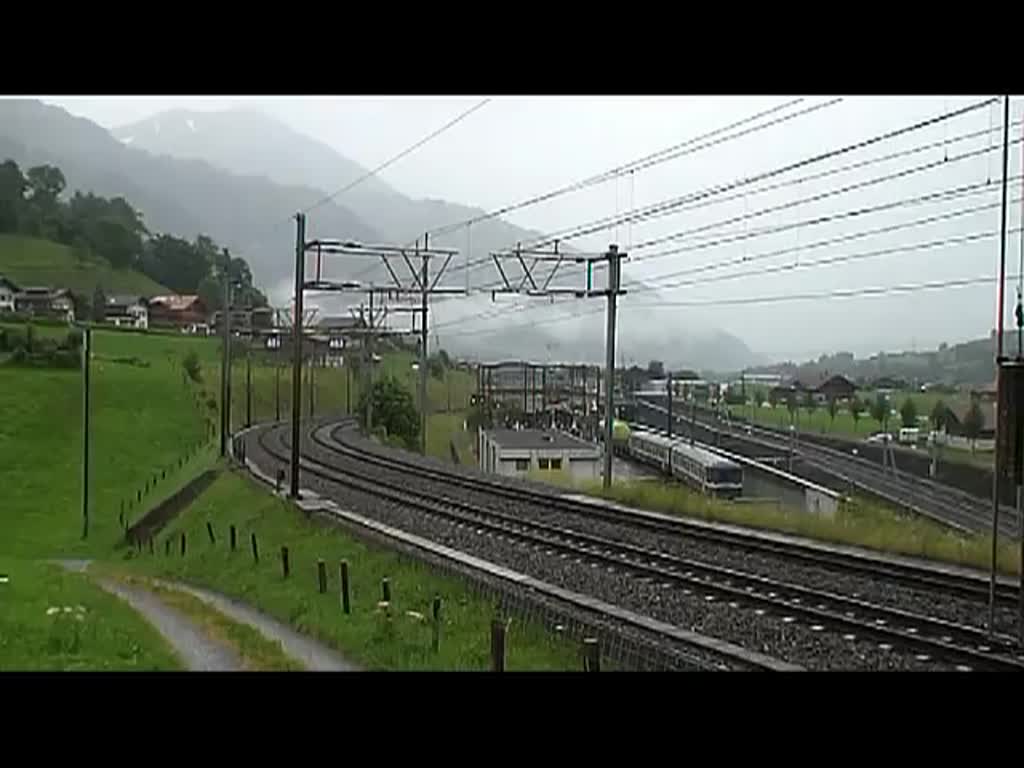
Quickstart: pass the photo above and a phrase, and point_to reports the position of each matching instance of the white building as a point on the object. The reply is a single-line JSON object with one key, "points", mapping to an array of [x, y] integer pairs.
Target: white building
{"points": [[513, 452], [127, 312], [7, 291]]}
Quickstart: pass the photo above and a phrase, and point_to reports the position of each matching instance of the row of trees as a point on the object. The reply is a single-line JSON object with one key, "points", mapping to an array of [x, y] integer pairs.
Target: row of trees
{"points": [[33, 204], [880, 410]]}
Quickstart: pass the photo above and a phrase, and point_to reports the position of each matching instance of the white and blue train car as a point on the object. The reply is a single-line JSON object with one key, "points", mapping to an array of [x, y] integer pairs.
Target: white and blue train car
{"points": [[698, 467]]}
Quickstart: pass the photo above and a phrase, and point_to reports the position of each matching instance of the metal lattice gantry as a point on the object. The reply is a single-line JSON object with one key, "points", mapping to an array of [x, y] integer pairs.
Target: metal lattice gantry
{"points": [[419, 283], [533, 282]]}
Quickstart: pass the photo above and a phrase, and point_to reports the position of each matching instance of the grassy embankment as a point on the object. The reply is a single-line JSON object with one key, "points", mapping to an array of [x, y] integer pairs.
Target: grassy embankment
{"points": [[396, 637], [860, 522], [145, 416], [38, 634]]}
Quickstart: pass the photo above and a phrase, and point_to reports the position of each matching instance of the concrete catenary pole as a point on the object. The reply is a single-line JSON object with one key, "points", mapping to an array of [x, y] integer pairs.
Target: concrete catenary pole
{"points": [[300, 265], [614, 266]]}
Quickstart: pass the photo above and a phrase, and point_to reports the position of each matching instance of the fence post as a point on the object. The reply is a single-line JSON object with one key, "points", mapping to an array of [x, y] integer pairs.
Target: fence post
{"points": [[231, 531], [385, 589], [182, 543], [167, 547], [255, 549], [284, 561], [151, 545], [209, 530], [344, 587], [436, 643], [497, 645], [321, 573], [591, 654]]}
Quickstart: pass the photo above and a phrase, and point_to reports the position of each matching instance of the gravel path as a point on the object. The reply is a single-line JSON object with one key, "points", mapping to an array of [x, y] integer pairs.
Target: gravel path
{"points": [[197, 651], [311, 654]]}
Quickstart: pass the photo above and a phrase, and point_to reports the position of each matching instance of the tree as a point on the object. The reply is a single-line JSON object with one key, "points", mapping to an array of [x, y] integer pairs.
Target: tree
{"points": [[974, 422], [833, 409], [938, 415], [856, 409], [45, 183], [656, 369], [810, 403], [880, 410], [908, 412], [758, 397], [791, 404], [12, 196], [394, 410], [99, 305]]}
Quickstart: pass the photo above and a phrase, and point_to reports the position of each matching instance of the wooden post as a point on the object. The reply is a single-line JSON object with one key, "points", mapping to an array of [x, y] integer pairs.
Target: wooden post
{"points": [[231, 532], [167, 547], [344, 587], [182, 543], [151, 545], [436, 644], [138, 496], [255, 550], [120, 517], [385, 588], [209, 531], [591, 655], [284, 561], [497, 645], [321, 572]]}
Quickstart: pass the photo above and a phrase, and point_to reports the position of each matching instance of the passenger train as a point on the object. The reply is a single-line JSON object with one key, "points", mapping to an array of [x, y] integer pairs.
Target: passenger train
{"points": [[697, 467]]}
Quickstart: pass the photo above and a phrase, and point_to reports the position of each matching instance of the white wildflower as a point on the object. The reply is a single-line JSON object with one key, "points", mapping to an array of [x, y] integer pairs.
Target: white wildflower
{"points": [[52, 610], [68, 609]]}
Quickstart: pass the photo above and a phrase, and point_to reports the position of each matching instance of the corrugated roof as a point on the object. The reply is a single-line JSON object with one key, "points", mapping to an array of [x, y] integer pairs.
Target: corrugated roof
{"points": [[538, 439], [174, 302]]}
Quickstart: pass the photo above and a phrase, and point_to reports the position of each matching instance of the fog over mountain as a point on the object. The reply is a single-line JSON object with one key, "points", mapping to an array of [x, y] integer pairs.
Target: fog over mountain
{"points": [[814, 260]]}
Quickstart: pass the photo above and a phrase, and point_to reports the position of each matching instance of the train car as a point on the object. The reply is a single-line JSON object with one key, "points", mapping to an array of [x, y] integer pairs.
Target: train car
{"points": [[650, 449], [697, 467], [707, 471]]}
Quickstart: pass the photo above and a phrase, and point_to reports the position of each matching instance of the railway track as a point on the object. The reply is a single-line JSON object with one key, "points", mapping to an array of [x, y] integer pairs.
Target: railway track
{"points": [[711, 654], [923, 496], [931, 641]]}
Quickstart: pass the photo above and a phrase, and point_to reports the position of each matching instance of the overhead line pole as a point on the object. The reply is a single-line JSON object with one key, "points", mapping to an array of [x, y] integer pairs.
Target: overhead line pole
{"points": [[425, 284], [86, 366], [300, 265], [225, 365], [999, 365]]}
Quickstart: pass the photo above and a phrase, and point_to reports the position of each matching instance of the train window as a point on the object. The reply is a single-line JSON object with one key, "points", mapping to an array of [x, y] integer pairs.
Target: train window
{"points": [[542, 463], [556, 463], [522, 464]]}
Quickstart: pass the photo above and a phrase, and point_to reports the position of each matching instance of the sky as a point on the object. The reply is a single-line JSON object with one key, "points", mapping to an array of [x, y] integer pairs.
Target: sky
{"points": [[517, 147]]}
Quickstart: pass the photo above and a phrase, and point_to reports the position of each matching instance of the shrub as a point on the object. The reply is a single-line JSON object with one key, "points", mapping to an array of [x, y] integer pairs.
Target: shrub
{"points": [[192, 367], [66, 358]]}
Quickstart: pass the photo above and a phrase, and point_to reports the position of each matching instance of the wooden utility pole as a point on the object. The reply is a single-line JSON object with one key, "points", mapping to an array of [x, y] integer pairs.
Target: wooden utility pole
{"points": [[86, 367], [300, 267]]}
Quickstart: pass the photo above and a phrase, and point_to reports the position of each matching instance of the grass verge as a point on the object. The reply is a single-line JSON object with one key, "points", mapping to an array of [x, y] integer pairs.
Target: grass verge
{"points": [[397, 636], [860, 523], [54, 620]]}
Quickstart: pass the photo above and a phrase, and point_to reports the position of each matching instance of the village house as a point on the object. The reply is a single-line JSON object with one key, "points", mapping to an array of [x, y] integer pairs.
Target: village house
{"points": [[955, 432], [8, 290], [127, 311], [42, 301], [186, 311]]}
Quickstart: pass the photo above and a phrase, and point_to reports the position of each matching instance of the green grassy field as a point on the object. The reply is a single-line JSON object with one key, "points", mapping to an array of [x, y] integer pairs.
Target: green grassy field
{"points": [[143, 420], [37, 634], [367, 636], [30, 261]]}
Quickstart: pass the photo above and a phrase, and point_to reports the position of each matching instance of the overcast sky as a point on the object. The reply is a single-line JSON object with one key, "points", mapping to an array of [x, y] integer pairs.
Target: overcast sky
{"points": [[516, 147]]}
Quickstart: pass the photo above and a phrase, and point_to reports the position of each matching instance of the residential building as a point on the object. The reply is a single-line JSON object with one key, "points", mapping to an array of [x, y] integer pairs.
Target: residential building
{"points": [[244, 320], [954, 432], [127, 311], [177, 311], [8, 290], [514, 453], [42, 301], [836, 388]]}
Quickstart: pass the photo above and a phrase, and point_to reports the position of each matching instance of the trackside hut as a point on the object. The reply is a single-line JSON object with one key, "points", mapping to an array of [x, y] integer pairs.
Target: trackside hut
{"points": [[514, 453]]}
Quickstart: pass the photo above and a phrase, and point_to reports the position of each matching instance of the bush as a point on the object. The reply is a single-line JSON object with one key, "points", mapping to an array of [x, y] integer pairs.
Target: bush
{"points": [[192, 367], [66, 358], [73, 340]]}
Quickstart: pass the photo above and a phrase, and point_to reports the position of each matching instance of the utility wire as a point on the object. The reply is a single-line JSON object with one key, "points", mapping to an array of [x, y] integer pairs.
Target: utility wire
{"points": [[663, 207], [663, 155]]}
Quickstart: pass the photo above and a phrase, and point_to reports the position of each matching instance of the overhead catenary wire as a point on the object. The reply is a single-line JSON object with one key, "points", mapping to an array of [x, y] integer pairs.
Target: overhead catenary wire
{"points": [[662, 155], [674, 204]]}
